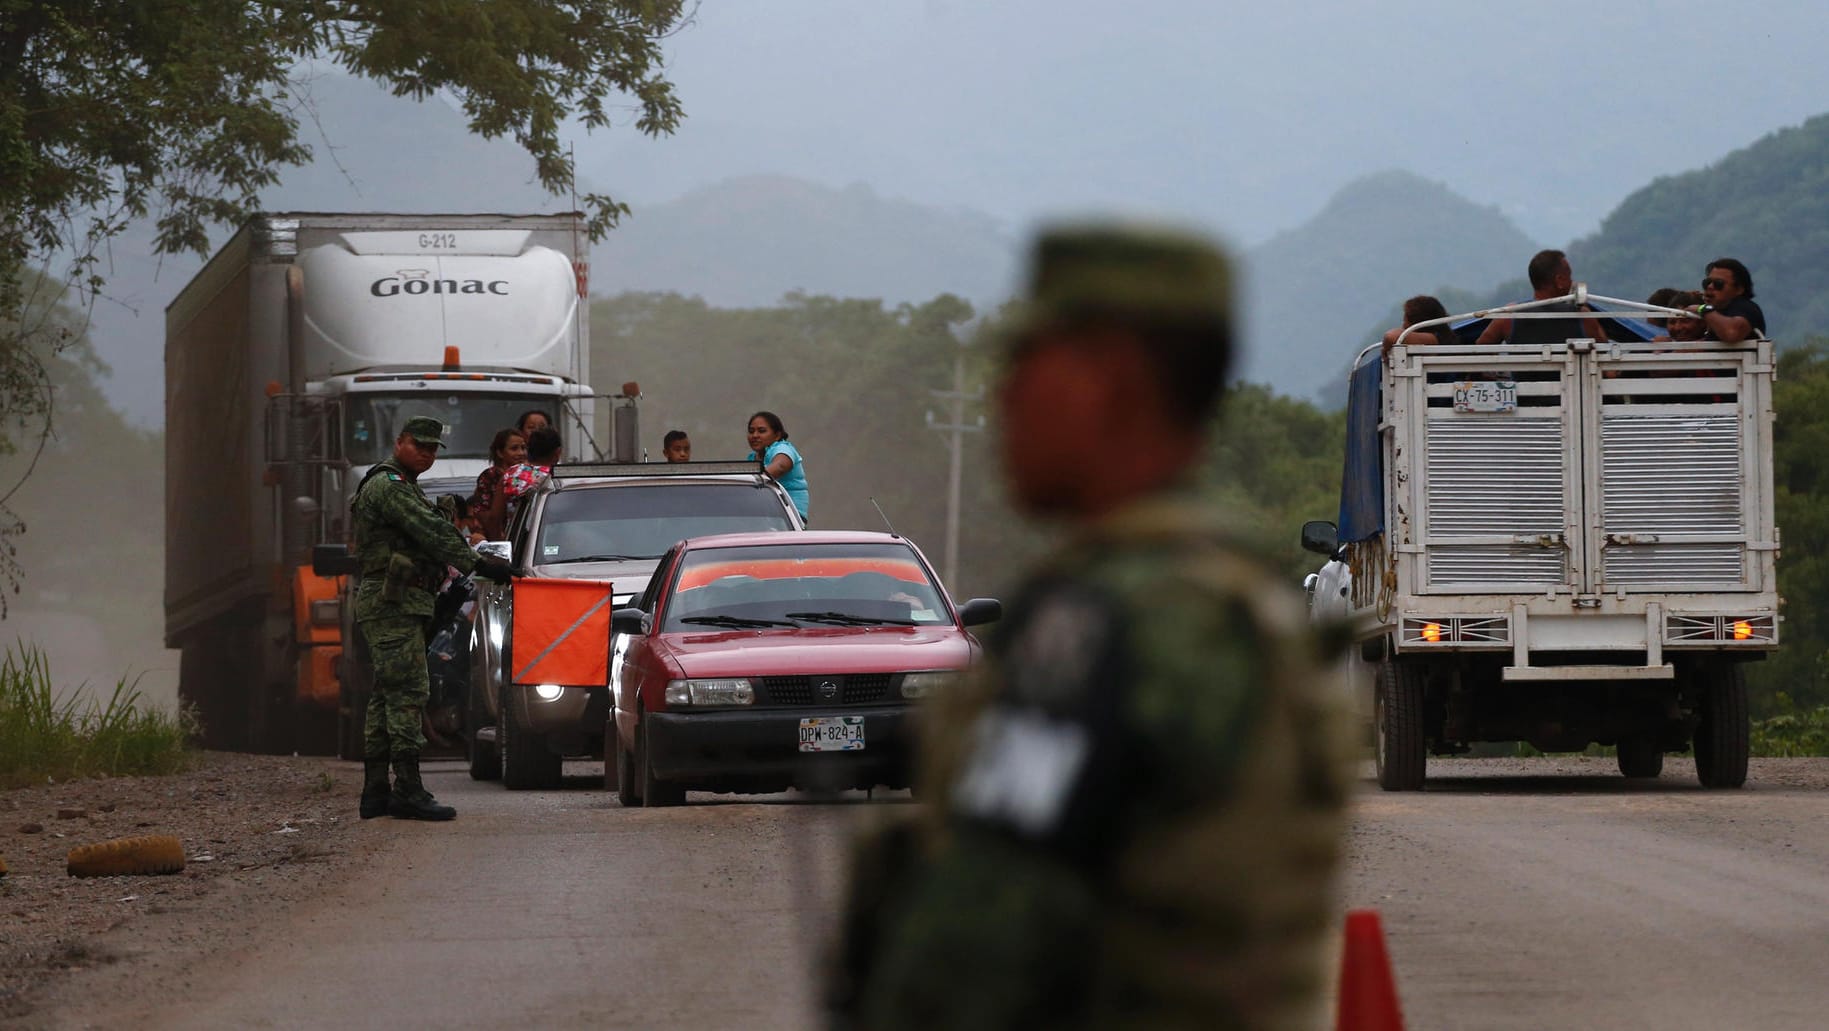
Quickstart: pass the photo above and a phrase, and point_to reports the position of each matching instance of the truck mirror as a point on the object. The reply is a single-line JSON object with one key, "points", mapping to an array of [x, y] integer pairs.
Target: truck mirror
{"points": [[496, 549], [629, 620], [1320, 537], [334, 560], [980, 611]]}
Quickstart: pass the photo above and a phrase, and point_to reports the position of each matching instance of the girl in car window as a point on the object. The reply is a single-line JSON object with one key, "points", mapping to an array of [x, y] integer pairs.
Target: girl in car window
{"points": [[769, 445]]}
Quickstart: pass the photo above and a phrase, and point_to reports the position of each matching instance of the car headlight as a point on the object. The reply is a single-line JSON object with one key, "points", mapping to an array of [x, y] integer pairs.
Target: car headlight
{"points": [[729, 691], [921, 685]]}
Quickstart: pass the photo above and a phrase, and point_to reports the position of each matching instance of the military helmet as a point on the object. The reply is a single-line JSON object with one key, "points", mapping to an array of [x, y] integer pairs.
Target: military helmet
{"points": [[1146, 276], [425, 430]]}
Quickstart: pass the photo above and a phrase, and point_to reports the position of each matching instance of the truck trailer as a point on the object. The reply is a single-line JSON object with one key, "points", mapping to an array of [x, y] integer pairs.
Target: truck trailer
{"points": [[292, 360], [1564, 543]]}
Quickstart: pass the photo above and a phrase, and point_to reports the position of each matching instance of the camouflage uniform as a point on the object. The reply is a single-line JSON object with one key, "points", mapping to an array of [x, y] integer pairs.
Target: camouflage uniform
{"points": [[404, 544], [1134, 813]]}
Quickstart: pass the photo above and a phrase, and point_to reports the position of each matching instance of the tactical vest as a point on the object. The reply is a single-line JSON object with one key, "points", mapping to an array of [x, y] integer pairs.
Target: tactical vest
{"points": [[1253, 867], [378, 542]]}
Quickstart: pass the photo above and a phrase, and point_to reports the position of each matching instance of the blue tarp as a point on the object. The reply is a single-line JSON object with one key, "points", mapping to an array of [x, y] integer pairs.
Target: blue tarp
{"points": [[1362, 485]]}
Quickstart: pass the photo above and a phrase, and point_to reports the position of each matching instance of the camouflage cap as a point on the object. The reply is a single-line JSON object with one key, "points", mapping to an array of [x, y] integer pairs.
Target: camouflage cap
{"points": [[425, 430], [1142, 275]]}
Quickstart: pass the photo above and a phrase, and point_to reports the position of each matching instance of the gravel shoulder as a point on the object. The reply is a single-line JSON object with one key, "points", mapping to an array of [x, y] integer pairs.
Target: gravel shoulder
{"points": [[260, 834]]}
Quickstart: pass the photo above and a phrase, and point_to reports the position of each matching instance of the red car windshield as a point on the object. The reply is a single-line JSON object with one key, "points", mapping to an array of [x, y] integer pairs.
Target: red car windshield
{"points": [[803, 585]]}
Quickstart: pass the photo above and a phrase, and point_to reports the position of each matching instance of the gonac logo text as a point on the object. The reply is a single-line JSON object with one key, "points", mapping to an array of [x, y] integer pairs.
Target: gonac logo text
{"points": [[414, 282]]}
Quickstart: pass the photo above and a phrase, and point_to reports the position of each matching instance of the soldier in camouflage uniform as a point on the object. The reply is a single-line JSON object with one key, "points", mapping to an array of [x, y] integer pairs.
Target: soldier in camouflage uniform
{"points": [[404, 543], [1135, 810]]}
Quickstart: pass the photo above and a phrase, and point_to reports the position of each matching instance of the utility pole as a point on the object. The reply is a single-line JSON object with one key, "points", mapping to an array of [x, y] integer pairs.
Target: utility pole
{"points": [[958, 427]]}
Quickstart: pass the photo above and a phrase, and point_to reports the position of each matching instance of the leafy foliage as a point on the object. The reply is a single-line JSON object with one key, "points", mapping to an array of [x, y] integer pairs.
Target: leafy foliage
{"points": [[1801, 733], [853, 381], [1797, 676], [184, 110]]}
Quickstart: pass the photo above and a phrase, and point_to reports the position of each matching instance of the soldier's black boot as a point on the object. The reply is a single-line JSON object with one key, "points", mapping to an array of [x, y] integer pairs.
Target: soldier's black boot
{"points": [[375, 791], [410, 800]]}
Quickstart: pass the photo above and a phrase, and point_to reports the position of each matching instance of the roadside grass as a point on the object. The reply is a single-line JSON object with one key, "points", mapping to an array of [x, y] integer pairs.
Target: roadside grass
{"points": [[40, 737]]}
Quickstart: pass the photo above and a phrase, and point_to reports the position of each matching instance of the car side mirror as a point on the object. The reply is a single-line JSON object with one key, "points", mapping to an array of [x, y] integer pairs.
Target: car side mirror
{"points": [[1320, 537], [496, 549], [980, 611], [334, 560], [629, 620]]}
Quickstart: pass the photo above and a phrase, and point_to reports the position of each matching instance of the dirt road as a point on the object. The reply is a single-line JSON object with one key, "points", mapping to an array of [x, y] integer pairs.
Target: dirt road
{"points": [[533, 909], [1554, 893], [1516, 894]]}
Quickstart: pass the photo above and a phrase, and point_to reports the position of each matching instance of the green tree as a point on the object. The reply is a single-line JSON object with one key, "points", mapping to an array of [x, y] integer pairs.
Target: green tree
{"points": [[1798, 674], [184, 110]]}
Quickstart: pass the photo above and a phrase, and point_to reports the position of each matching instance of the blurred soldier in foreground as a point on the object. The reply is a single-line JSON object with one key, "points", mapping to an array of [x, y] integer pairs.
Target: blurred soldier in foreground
{"points": [[1135, 812], [404, 543]]}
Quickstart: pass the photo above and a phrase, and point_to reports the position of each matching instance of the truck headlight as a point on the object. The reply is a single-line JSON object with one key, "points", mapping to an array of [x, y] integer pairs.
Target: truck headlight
{"points": [[726, 691], [548, 692], [922, 685]]}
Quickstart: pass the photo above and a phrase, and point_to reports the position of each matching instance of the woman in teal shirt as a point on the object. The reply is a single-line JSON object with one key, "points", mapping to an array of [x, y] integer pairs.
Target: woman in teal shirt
{"points": [[769, 445]]}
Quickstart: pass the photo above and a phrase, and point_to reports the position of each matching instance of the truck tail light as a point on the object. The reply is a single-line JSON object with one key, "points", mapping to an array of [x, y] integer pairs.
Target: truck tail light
{"points": [[1476, 631], [1740, 628]]}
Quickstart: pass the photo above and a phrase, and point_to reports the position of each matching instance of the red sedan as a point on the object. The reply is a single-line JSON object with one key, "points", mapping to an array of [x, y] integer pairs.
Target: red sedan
{"points": [[759, 662]]}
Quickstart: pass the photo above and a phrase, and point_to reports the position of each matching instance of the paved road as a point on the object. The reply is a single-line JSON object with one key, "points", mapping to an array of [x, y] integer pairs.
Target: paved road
{"points": [[1516, 894], [1535, 894]]}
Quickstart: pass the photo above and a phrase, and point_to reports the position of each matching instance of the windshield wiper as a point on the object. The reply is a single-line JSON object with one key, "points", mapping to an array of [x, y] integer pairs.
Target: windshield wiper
{"points": [[847, 619], [736, 622], [599, 558]]}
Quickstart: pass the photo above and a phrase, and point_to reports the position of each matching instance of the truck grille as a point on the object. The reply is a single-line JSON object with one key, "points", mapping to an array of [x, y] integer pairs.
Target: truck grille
{"points": [[854, 689], [1495, 478]]}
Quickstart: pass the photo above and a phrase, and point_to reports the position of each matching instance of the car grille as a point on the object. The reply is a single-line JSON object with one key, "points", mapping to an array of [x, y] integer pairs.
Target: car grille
{"points": [[856, 689]]}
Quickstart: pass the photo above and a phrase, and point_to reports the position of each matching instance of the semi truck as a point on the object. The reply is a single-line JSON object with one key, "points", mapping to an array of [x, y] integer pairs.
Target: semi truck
{"points": [[1565, 544], [292, 360]]}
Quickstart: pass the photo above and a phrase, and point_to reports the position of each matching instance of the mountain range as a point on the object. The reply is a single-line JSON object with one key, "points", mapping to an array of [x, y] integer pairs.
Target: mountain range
{"points": [[1309, 294]]}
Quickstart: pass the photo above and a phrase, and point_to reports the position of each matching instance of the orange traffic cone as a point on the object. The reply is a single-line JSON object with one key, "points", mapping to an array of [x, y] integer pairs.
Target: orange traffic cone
{"points": [[1368, 990]]}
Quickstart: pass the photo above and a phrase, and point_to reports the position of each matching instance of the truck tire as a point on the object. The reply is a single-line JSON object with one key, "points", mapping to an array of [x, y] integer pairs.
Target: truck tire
{"points": [[653, 792], [1640, 756], [124, 857], [526, 761], [485, 761], [1401, 748], [1721, 743]]}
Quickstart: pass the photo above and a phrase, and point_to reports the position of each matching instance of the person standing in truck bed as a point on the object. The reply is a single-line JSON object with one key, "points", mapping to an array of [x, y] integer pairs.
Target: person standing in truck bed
{"points": [[1550, 277], [1728, 309]]}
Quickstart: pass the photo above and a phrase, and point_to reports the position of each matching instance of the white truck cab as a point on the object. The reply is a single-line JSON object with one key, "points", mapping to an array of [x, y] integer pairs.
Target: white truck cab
{"points": [[1558, 543]]}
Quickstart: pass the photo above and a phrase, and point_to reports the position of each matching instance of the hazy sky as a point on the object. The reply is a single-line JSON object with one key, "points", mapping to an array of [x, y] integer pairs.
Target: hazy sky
{"points": [[1245, 117], [1244, 120]]}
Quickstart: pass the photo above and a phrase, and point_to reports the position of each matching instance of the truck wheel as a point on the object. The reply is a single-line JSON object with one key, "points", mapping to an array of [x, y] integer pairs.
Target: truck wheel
{"points": [[1721, 738], [1640, 756], [485, 761], [1401, 748], [526, 761], [653, 792]]}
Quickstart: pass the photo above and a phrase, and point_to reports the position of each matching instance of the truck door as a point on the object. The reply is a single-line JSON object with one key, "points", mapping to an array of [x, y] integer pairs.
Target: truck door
{"points": [[1495, 490], [1673, 495]]}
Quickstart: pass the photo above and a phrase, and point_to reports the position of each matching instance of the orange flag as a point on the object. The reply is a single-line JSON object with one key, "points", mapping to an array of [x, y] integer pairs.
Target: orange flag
{"points": [[561, 632]]}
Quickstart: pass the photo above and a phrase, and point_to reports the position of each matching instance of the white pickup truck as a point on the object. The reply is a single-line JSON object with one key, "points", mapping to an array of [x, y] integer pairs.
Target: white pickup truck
{"points": [[1557, 543]]}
